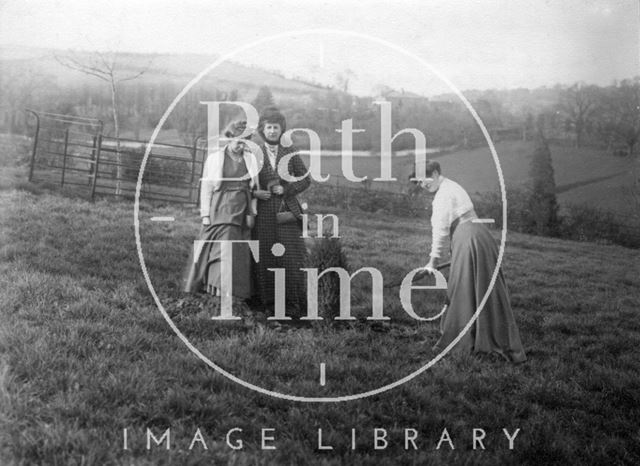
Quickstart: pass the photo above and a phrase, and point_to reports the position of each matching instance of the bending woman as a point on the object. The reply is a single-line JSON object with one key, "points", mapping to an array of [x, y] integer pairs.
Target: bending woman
{"points": [[228, 213], [280, 196], [474, 256]]}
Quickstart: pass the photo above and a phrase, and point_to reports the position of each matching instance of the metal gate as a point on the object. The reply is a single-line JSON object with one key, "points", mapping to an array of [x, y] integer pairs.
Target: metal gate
{"points": [[71, 152]]}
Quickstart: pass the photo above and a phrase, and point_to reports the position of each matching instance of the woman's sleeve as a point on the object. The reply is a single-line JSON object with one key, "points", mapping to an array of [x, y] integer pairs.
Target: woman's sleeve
{"points": [[206, 189], [297, 168], [440, 223]]}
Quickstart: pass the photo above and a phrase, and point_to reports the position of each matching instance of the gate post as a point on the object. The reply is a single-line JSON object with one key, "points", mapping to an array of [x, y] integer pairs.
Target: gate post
{"points": [[194, 156], [205, 154], [95, 167], [35, 143], [64, 155], [93, 157]]}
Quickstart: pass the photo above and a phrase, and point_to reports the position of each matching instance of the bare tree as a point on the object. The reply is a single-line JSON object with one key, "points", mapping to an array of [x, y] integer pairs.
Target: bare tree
{"points": [[622, 113], [578, 103], [108, 67]]}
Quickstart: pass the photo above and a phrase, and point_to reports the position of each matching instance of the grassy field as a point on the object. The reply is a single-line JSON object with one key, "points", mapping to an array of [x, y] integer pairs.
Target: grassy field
{"points": [[583, 176], [85, 353]]}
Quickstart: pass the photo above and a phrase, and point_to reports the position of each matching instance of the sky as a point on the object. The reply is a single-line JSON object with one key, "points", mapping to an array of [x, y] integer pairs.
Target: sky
{"points": [[474, 44]]}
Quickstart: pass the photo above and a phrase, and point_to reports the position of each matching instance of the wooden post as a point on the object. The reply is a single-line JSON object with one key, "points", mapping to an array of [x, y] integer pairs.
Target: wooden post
{"points": [[193, 167], [204, 159], [64, 156], [95, 167], [35, 144], [93, 157]]}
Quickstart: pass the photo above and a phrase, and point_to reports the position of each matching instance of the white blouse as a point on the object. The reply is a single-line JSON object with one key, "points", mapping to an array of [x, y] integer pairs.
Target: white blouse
{"points": [[450, 202], [272, 153]]}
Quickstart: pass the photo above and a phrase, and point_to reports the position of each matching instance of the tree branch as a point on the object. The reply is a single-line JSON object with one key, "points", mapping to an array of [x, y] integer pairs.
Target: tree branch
{"points": [[76, 65], [137, 75]]}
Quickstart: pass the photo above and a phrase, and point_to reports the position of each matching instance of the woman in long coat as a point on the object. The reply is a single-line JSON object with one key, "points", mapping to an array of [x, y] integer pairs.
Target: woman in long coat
{"points": [[276, 195], [228, 210], [474, 256]]}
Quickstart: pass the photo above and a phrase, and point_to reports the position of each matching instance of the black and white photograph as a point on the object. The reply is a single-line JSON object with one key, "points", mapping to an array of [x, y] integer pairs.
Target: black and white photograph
{"points": [[319, 233]]}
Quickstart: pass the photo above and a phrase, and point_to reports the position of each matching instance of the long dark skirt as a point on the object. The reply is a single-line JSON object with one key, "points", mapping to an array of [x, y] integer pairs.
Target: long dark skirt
{"points": [[474, 255], [268, 233], [204, 272], [294, 258]]}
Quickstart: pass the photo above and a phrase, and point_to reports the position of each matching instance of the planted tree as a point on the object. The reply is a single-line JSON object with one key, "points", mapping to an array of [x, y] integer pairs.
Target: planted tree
{"points": [[111, 68]]}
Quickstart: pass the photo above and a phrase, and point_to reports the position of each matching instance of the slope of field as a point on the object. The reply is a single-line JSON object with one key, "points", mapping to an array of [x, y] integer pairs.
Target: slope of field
{"points": [[582, 176], [85, 353], [180, 68]]}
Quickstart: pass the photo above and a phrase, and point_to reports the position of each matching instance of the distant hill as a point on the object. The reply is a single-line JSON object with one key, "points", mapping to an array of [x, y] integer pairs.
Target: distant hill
{"points": [[161, 67]]}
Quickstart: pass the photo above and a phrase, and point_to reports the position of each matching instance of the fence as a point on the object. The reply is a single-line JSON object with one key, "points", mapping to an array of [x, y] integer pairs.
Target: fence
{"points": [[72, 151]]}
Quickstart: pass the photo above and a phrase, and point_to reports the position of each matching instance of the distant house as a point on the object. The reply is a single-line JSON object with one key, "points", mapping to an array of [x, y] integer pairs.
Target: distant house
{"points": [[402, 98]]}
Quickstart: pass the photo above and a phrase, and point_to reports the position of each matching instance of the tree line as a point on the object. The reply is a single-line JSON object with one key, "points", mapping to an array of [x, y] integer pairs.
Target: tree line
{"points": [[580, 114], [607, 117]]}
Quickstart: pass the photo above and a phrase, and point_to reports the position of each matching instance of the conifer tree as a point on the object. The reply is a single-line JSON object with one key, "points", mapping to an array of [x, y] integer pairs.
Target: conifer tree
{"points": [[543, 205], [264, 99]]}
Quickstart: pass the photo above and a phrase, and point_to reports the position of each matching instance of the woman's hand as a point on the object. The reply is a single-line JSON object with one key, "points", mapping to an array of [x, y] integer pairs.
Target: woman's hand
{"points": [[262, 194], [206, 221], [277, 190]]}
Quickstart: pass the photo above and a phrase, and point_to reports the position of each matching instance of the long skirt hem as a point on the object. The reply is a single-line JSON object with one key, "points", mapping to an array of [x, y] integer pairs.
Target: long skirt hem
{"points": [[204, 273], [474, 257]]}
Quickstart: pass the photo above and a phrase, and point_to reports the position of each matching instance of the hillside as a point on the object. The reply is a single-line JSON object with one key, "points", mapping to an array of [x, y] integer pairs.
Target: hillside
{"points": [[583, 176], [180, 68], [85, 353]]}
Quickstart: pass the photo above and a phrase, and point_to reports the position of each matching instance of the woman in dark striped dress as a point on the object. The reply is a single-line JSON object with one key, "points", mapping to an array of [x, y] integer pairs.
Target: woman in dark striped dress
{"points": [[279, 195], [474, 256]]}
